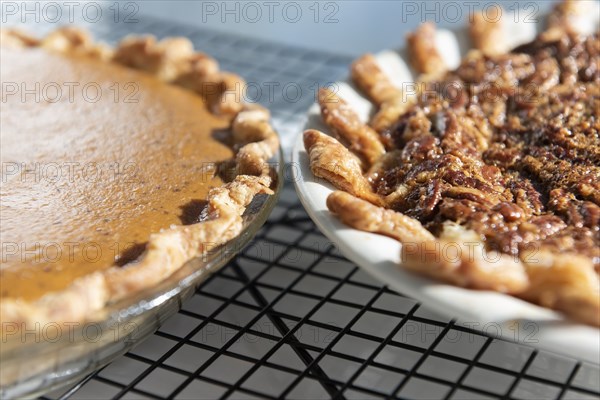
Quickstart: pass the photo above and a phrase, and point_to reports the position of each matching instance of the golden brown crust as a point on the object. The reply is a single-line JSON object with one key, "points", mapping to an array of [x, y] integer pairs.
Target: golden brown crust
{"points": [[174, 60], [367, 75], [421, 250], [87, 295], [348, 128], [370, 79], [166, 59], [330, 160], [388, 113], [171, 60], [15, 38], [459, 256], [259, 142], [565, 282], [487, 34], [562, 20], [168, 250], [364, 216], [424, 56]]}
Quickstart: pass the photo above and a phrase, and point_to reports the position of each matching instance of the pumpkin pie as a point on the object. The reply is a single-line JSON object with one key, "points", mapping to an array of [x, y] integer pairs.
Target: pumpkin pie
{"points": [[119, 166]]}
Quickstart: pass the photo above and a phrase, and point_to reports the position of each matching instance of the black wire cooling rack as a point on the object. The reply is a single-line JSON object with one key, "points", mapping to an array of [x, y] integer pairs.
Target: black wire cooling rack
{"points": [[291, 318]]}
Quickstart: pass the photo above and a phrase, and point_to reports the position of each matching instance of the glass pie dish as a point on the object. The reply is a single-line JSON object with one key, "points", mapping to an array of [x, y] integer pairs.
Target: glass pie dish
{"points": [[38, 360]]}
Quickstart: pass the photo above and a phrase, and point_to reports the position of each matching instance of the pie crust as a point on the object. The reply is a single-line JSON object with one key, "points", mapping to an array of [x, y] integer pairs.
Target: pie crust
{"points": [[428, 170], [172, 60]]}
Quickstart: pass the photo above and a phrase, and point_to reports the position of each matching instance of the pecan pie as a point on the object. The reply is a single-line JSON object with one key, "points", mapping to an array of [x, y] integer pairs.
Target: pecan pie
{"points": [[153, 160], [497, 160]]}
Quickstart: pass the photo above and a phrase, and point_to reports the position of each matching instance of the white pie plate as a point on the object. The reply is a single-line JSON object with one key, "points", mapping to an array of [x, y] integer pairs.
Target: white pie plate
{"points": [[493, 313]]}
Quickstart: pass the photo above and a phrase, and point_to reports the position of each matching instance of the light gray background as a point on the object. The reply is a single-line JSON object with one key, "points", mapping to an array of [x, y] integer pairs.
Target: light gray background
{"points": [[353, 27]]}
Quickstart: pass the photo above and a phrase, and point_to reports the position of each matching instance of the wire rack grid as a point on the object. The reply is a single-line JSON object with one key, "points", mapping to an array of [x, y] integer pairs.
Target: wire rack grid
{"points": [[290, 317]]}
